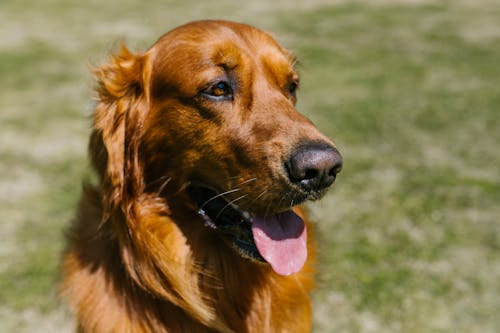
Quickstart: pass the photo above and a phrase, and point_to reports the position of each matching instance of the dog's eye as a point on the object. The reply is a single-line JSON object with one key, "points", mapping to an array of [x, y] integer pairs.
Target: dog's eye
{"points": [[292, 88], [219, 90]]}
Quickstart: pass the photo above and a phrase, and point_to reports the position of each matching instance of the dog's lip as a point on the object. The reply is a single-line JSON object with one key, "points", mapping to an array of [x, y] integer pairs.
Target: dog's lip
{"points": [[225, 217], [279, 239]]}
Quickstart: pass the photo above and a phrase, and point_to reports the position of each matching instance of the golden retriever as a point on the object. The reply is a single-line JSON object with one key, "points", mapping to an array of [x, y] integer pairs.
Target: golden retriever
{"points": [[202, 160]]}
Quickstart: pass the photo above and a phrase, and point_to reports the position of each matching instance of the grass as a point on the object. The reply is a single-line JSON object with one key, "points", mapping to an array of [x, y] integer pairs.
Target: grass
{"points": [[410, 236]]}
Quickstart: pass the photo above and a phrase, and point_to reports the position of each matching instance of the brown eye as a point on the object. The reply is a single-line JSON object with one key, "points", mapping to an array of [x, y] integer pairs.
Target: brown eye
{"points": [[219, 91], [222, 88]]}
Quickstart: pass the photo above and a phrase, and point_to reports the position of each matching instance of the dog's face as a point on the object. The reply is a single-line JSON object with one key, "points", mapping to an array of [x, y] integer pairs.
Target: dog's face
{"points": [[222, 120]]}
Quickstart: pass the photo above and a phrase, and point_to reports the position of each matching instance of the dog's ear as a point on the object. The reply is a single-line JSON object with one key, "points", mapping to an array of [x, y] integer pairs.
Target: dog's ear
{"points": [[122, 95]]}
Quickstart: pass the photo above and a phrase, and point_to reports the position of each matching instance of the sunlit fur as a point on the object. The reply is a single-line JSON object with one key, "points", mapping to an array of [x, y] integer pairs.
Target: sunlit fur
{"points": [[140, 258]]}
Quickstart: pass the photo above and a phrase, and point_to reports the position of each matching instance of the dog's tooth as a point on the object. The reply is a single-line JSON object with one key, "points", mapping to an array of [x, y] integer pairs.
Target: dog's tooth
{"points": [[246, 215], [209, 222]]}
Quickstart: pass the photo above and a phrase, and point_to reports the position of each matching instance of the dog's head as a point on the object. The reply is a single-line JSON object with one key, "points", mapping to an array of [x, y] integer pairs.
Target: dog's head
{"points": [[209, 111]]}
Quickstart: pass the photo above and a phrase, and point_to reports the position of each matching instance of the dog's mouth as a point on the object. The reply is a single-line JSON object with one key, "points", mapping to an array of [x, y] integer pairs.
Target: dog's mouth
{"points": [[279, 240]]}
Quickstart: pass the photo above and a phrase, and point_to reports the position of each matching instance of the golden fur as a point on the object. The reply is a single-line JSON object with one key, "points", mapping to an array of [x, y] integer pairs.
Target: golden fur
{"points": [[139, 257]]}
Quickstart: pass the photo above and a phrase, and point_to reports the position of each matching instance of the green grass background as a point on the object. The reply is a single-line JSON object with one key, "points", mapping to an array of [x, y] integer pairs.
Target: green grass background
{"points": [[409, 90]]}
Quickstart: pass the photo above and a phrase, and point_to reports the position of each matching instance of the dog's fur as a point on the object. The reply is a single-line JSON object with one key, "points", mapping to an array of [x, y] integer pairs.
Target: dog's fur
{"points": [[140, 258]]}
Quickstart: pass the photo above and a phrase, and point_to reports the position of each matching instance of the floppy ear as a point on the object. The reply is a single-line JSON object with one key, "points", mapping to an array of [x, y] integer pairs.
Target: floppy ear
{"points": [[123, 100], [121, 94]]}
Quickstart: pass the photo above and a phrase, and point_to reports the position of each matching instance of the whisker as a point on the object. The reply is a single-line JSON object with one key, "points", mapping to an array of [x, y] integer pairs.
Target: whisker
{"points": [[156, 181], [177, 191], [164, 184], [183, 187], [257, 198], [230, 203], [217, 196], [247, 181], [260, 195]]}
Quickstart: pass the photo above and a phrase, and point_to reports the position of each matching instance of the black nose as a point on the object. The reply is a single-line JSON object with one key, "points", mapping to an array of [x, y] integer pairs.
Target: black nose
{"points": [[314, 166]]}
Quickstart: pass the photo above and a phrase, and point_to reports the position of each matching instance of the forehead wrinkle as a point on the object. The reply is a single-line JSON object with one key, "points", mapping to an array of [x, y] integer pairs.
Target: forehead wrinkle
{"points": [[227, 55]]}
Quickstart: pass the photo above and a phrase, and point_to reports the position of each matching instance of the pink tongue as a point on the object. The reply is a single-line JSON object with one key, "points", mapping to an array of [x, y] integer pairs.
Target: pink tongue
{"points": [[281, 240]]}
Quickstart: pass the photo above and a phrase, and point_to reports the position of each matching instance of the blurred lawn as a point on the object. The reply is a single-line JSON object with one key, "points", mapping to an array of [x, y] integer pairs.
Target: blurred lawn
{"points": [[410, 91]]}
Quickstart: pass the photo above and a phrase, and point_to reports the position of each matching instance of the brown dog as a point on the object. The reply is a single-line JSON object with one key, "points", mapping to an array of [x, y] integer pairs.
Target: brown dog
{"points": [[202, 159]]}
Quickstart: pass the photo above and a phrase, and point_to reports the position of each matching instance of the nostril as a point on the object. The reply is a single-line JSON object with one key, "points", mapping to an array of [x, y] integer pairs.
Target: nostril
{"points": [[335, 170], [311, 174], [332, 173]]}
